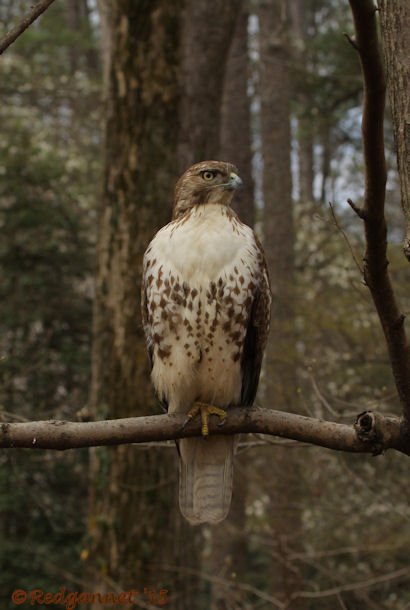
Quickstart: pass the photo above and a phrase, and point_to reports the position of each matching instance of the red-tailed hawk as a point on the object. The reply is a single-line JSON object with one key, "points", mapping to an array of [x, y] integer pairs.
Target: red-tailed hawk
{"points": [[206, 310]]}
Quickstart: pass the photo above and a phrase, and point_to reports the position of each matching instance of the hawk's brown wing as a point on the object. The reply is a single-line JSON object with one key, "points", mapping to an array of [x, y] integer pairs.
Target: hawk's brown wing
{"points": [[256, 338], [145, 317], [146, 323]]}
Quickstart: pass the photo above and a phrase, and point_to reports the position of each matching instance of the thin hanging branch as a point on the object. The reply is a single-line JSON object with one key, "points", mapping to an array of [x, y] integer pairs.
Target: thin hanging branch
{"points": [[375, 259], [27, 20], [372, 432]]}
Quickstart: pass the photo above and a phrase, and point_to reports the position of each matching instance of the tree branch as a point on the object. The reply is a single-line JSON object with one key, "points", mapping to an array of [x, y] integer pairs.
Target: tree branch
{"points": [[372, 433], [355, 586], [375, 260], [31, 16]]}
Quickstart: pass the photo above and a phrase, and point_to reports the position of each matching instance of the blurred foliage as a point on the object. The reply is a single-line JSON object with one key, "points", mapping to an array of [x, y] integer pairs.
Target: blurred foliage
{"points": [[49, 176], [355, 509]]}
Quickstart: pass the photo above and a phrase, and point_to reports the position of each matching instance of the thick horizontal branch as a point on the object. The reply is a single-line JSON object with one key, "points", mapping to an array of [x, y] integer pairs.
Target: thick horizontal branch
{"points": [[372, 433], [27, 20]]}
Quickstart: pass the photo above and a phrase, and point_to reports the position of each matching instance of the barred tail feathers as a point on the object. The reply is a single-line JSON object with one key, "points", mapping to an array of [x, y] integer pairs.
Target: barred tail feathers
{"points": [[206, 478]]}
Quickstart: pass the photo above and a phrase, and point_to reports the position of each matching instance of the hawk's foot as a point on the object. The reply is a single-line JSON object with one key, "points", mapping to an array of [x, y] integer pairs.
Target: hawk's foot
{"points": [[205, 411]]}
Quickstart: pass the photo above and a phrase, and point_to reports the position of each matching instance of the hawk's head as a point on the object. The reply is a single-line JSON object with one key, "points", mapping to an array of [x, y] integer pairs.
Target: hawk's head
{"points": [[206, 182]]}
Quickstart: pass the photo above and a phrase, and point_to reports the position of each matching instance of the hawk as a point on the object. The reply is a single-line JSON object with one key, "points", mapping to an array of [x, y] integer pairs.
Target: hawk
{"points": [[206, 311]]}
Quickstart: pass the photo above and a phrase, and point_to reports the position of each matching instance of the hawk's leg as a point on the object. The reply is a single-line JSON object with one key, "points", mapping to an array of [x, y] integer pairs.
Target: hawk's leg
{"points": [[205, 411]]}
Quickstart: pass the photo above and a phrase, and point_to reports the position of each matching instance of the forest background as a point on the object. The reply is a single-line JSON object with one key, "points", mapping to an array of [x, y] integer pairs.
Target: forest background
{"points": [[103, 106]]}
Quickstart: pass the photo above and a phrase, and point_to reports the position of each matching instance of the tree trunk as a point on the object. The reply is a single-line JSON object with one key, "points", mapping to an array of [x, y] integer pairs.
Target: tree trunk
{"points": [[305, 128], [229, 546], [235, 145], [134, 523], [207, 32], [280, 363], [104, 11], [78, 20], [395, 22], [277, 190]]}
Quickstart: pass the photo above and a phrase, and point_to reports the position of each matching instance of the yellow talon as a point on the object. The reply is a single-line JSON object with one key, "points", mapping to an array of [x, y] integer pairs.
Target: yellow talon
{"points": [[206, 411]]}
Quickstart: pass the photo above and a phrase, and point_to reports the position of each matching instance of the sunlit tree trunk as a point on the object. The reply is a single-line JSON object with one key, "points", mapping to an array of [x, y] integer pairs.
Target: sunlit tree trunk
{"points": [[134, 524], [395, 21], [283, 470]]}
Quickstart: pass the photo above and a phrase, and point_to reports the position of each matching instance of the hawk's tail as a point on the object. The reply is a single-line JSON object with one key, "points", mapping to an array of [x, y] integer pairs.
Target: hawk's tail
{"points": [[206, 478]]}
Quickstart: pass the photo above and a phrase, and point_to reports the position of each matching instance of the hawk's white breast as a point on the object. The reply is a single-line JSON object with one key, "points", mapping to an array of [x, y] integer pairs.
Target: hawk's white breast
{"points": [[200, 247], [201, 273]]}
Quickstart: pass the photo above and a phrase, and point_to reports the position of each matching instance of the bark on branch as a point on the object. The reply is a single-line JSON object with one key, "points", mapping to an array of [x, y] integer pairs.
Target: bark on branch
{"points": [[375, 260], [27, 20], [372, 433]]}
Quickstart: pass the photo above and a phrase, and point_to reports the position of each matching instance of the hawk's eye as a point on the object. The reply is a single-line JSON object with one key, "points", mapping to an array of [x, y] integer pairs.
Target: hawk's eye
{"points": [[208, 175]]}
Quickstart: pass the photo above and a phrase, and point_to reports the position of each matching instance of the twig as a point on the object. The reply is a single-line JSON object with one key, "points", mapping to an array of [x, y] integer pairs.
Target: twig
{"points": [[231, 584], [373, 433], [341, 602], [18, 29], [364, 549], [351, 41], [359, 211], [345, 237], [320, 396], [375, 260], [370, 582]]}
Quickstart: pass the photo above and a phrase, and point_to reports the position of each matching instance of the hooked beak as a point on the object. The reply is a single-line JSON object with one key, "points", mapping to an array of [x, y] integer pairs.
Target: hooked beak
{"points": [[234, 181]]}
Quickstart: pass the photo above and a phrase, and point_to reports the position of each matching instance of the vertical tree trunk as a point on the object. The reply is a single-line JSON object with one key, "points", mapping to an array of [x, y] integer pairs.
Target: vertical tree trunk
{"points": [[74, 19], [134, 520], [78, 20], [104, 11], [395, 22], [208, 28], [298, 10], [306, 160], [207, 31], [235, 144], [229, 546], [277, 189], [280, 384]]}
